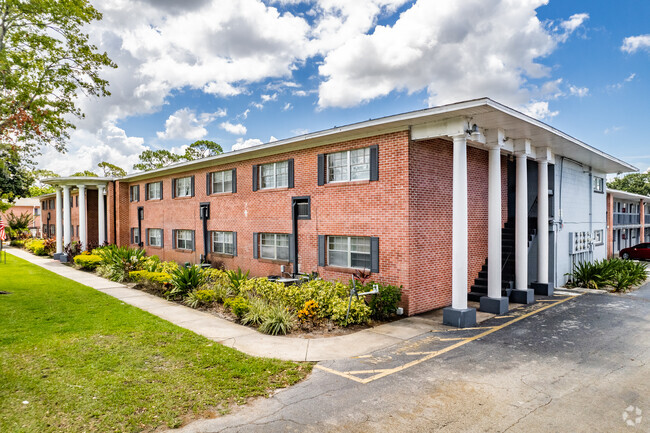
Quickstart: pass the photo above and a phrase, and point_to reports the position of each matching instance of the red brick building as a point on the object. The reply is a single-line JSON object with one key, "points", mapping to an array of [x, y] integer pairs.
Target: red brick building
{"points": [[421, 199]]}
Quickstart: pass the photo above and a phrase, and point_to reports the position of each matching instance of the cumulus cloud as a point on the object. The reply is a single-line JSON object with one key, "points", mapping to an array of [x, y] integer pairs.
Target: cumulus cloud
{"points": [[580, 92], [539, 110], [236, 129], [185, 124], [633, 44], [569, 26], [243, 144]]}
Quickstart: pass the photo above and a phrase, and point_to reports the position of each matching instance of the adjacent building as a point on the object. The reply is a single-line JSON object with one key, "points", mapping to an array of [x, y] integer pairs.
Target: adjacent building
{"points": [[628, 220], [467, 201], [31, 207]]}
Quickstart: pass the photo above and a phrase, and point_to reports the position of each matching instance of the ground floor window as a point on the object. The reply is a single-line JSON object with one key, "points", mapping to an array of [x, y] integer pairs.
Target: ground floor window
{"points": [[135, 236], [155, 237], [349, 251], [223, 243], [185, 239], [275, 246]]}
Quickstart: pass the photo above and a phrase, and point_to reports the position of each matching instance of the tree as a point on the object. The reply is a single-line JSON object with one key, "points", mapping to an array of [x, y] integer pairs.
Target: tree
{"points": [[153, 159], [636, 183], [202, 149], [38, 188], [85, 173], [15, 179], [46, 61], [111, 170]]}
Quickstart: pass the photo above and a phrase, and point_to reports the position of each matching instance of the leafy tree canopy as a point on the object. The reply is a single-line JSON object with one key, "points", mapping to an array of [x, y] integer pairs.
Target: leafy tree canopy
{"points": [[636, 183], [85, 173], [153, 159], [15, 179], [46, 61], [111, 170]]}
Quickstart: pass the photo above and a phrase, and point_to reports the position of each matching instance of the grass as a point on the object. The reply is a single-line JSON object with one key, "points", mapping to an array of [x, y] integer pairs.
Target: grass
{"points": [[85, 361]]}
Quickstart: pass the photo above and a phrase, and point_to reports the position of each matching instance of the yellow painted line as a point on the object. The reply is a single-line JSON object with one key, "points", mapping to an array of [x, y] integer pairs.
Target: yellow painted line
{"points": [[362, 356], [446, 349], [465, 329], [546, 300], [452, 339], [502, 317], [379, 370], [420, 353]]}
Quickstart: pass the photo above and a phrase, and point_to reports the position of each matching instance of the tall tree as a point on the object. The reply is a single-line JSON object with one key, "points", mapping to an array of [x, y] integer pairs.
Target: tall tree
{"points": [[202, 149], [153, 159], [111, 170], [636, 183], [85, 173], [15, 179], [46, 61]]}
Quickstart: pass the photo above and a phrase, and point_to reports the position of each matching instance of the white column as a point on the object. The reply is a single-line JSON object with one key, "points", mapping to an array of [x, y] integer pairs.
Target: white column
{"points": [[101, 231], [521, 223], [83, 238], [66, 215], [58, 215], [459, 224], [542, 221], [494, 221]]}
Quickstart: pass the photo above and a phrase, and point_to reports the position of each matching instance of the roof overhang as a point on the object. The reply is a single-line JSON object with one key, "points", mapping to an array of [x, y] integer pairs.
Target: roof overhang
{"points": [[75, 181], [627, 195], [485, 113]]}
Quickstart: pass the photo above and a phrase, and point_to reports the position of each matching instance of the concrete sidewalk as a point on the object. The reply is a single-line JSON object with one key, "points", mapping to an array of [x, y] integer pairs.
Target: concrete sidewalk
{"points": [[243, 338]]}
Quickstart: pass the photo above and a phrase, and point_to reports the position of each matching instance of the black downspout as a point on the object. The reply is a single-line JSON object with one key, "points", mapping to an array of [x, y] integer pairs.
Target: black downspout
{"points": [[140, 218], [204, 214], [49, 235], [294, 215], [114, 214]]}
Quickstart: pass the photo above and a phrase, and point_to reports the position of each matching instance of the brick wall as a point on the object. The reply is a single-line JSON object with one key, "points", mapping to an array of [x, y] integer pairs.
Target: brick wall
{"points": [[378, 208]]}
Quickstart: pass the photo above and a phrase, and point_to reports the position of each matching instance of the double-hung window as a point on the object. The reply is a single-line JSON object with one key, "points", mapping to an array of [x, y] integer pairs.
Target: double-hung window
{"points": [[155, 237], [183, 186], [274, 175], [223, 243], [599, 184], [185, 239], [349, 165], [274, 246], [348, 252], [222, 181], [135, 236], [135, 193], [154, 191]]}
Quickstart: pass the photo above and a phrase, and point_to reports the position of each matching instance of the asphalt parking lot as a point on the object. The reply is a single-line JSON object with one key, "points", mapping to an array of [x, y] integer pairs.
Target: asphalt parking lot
{"points": [[569, 363]]}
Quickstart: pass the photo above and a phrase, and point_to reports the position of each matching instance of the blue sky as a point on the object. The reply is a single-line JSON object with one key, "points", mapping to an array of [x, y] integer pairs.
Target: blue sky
{"points": [[242, 72]]}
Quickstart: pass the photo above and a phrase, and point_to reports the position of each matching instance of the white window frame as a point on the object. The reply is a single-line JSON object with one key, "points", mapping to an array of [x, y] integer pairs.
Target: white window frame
{"points": [[272, 240], [348, 165], [599, 184], [157, 186], [186, 242], [275, 166], [215, 182], [223, 243], [151, 231], [136, 235], [134, 193], [183, 187], [349, 252]]}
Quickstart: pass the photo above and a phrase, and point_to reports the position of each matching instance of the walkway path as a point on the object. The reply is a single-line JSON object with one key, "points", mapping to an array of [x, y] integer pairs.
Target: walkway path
{"points": [[246, 339]]}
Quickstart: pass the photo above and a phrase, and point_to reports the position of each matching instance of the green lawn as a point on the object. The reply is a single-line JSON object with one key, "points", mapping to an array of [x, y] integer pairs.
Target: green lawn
{"points": [[85, 361]]}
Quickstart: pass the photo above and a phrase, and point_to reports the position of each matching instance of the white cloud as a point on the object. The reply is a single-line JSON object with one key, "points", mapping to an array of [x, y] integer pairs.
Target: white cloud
{"points": [[571, 25], [618, 86], [612, 130], [633, 44], [267, 98], [454, 50], [222, 89], [243, 144], [299, 93], [630, 77], [300, 131], [184, 124], [272, 139], [236, 129], [539, 110], [580, 92], [287, 107]]}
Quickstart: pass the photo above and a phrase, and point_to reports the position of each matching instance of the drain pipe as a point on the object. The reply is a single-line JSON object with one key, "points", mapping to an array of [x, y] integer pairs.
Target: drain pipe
{"points": [[114, 214]]}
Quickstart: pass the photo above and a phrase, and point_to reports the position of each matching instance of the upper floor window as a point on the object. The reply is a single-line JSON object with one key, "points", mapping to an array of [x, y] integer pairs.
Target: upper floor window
{"points": [[274, 175], [51, 204], [44, 204], [223, 242], [599, 184], [348, 165], [153, 191], [184, 186], [134, 193], [221, 181]]}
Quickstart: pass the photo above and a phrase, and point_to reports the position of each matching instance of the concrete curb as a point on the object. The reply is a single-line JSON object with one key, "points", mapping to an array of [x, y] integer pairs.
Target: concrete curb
{"points": [[240, 337]]}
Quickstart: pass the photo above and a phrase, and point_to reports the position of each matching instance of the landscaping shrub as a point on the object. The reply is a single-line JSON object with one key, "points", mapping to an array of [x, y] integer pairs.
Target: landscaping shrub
{"points": [[88, 262], [258, 309], [238, 305], [309, 311], [216, 277], [154, 277], [200, 298], [17, 243], [49, 246], [119, 261], [184, 280], [278, 320], [620, 274], [35, 246], [384, 304], [237, 278]]}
